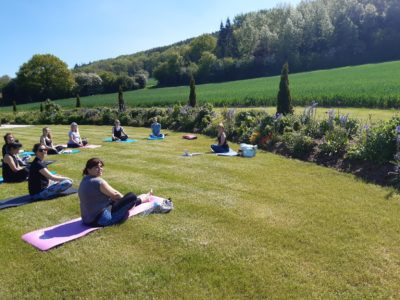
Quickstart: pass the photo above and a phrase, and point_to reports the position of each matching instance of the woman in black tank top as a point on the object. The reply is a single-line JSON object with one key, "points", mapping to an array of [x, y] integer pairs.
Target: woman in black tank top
{"points": [[118, 133], [222, 145], [46, 140], [12, 171]]}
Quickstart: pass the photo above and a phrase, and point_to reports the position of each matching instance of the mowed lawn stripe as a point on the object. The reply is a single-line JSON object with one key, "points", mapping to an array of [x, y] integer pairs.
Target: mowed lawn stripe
{"points": [[266, 227]]}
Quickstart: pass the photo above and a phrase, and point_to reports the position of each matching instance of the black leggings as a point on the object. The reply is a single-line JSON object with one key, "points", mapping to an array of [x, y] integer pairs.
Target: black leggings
{"points": [[118, 213], [122, 138], [129, 199], [18, 176]]}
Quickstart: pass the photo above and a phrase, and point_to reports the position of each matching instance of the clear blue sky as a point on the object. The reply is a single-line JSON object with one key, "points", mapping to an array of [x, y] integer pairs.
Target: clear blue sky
{"points": [[81, 31]]}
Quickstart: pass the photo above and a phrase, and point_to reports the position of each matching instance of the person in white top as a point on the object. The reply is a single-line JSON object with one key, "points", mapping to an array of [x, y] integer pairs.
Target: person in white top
{"points": [[75, 140]]}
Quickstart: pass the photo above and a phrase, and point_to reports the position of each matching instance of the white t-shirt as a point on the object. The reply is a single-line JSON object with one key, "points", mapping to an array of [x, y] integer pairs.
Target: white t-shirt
{"points": [[74, 137]]}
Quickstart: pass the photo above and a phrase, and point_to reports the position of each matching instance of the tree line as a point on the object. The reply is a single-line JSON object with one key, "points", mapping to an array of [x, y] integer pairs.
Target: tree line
{"points": [[45, 76], [313, 35]]}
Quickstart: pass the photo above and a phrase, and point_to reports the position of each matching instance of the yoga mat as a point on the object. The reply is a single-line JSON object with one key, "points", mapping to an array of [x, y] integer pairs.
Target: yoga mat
{"points": [[189, 136], [2, 180], [230, 153], [50, 237], [70, 151], [25, 199], [91, 146], [126, 141], [152, 137], [24, 153], [84, 147]]}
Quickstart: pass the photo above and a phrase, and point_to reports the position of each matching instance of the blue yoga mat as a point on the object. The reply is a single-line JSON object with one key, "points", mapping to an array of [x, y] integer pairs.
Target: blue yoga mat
{"points": [[126, 141], [152, 137], [26, 153]]}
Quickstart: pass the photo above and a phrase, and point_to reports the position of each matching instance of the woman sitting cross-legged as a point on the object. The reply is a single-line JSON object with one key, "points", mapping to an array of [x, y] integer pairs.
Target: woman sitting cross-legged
{"points": [[118, 133], [47, 141], [156, 129], [222, 145], [12, 169], [75, 140], [102, 205], [42, 184]]}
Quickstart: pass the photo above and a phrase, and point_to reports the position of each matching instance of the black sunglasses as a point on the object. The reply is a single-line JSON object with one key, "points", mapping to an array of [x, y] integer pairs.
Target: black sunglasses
{"points": [[42, 150]]}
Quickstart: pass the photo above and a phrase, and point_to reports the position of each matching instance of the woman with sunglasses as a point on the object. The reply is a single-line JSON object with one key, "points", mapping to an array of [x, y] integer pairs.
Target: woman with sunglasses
{"points": [[42, 184], [101, 204]]}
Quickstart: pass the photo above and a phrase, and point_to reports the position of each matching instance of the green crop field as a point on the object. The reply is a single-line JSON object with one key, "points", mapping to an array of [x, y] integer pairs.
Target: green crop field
{"points": [[265, 227], [372, 85]]}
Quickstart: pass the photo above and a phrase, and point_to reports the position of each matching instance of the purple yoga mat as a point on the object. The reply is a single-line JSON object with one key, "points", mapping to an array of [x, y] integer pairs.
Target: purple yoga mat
{"points": [[50, 237]]}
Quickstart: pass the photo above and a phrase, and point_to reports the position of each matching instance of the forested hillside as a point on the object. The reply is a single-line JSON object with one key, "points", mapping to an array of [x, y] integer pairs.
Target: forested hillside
{"points": [[313, 35], [316, 34]]}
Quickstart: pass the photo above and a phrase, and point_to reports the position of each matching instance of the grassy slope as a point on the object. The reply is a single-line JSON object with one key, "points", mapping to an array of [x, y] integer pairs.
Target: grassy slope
{"points": [[242, 228], [349, 84]]}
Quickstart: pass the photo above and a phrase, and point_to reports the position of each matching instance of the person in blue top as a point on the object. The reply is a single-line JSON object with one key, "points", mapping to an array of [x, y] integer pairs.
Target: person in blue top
{"points": [[222, 145], [156, 129], [118, 133]]}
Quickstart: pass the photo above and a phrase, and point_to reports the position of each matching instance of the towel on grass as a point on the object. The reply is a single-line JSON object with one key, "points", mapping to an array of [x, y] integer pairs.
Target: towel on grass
{"points": [[230, 153]]}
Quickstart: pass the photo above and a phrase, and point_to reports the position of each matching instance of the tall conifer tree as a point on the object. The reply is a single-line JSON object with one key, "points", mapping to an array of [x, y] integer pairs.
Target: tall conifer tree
{"points": [[192, 95], [121, 102], [78, 101], [284, 103]]}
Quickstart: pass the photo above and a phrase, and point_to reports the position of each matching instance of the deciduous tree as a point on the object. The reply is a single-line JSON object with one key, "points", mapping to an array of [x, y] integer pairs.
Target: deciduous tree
{"points": [[44, 76]]}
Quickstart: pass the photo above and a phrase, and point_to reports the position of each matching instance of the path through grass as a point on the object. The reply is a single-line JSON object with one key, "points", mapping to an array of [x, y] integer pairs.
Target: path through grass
{"points": [[266, 227]]}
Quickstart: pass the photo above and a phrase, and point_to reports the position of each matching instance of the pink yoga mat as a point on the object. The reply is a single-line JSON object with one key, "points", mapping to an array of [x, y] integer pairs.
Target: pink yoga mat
{"points": [[84, 147], [50, 237]]}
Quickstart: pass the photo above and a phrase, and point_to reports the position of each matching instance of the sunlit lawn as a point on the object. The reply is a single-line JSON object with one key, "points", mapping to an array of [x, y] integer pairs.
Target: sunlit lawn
{"points": [[266, 227]]}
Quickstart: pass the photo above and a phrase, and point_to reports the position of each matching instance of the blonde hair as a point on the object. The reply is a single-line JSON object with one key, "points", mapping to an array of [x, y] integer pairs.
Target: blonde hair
{"points": [[221, 125], [48, 134]]}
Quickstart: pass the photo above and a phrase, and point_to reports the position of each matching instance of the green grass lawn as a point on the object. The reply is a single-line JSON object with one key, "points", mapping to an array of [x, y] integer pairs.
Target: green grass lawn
{"points": [[266, 227], [358, 86]]}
